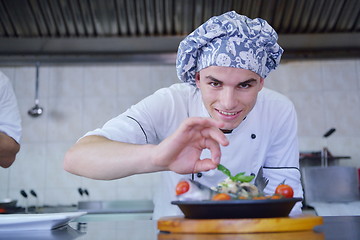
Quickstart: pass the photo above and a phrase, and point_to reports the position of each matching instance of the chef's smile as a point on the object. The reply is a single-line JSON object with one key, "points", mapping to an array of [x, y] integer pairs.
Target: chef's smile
{"points": [[229, 94], [228, 116]]}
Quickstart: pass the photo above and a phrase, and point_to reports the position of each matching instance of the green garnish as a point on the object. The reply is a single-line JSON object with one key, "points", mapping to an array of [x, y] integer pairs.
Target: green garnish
{"points": [[224, 170], [240, 177]]}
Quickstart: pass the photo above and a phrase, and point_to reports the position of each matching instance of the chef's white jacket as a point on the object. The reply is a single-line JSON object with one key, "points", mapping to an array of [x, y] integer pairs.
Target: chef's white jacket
{"points": [[266, 138], [10, 121]]}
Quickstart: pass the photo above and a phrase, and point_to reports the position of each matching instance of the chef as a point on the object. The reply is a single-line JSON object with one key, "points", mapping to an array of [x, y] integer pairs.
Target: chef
{"points": [[221, 113], [10, 123]]}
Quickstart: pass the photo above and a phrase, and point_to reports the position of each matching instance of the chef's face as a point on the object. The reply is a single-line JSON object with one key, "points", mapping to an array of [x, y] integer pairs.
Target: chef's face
{"points": [[228, 93]]}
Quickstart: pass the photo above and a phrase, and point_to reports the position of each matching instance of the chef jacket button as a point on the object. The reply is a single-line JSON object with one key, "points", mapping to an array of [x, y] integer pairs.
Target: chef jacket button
{"points": [[199, 174], [253, 136]]}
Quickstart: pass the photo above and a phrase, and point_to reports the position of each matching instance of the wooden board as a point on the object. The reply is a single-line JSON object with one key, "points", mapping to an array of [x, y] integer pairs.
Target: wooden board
{"points": [[242, 225], [299, 235]]}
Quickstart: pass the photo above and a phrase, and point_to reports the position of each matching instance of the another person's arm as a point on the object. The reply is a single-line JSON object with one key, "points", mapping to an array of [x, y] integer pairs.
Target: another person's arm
{"points": [[8, 150], [100, 158], [10, 123]]}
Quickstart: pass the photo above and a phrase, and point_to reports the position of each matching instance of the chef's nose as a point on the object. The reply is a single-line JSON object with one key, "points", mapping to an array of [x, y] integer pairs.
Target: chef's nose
{"points": [[228, 99]]}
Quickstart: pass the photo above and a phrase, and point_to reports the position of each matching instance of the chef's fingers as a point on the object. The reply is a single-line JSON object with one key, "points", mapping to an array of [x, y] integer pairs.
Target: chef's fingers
{"points": [[204, 165], [214, 148], [207, 126], [216, 135]]}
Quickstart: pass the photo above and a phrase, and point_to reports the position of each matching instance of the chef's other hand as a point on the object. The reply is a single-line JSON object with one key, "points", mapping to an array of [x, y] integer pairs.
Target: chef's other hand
{"points": [[181, 151]]}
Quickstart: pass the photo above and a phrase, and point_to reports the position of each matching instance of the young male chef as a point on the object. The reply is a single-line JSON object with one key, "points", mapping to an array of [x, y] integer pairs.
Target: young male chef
{"points": [[220, 114]]}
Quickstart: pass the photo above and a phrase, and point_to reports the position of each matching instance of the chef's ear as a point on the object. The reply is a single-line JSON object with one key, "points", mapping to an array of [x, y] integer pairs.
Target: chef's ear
{"points": [[261, 83], [197, 79]]}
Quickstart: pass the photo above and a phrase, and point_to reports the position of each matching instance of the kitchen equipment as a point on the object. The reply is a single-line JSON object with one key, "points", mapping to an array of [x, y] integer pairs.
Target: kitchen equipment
{"points": [[259, 208], [8, 205], [332, 190], [64, 232], [295, 235], [36, 111], [121, 206], [24, 194], [7, 202], [33, 193], [243, 225], [325, 151], [81, 192], [46, 221], [260, 181], [86, 192]]}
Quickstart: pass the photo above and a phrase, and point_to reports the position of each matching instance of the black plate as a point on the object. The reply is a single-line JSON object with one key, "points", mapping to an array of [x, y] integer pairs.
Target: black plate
{"points": [[262, 208]]}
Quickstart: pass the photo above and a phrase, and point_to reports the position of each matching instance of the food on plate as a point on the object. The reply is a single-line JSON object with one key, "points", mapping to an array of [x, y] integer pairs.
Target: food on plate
{"points": [[188, 189], [237, 189], [221, 196], [182, 187], [240, 177], [284, 190], [237, 186], [234, 187]]}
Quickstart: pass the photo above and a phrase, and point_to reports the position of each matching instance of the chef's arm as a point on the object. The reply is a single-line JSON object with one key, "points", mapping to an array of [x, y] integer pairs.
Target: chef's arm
{"points": [[100, 158], [8, 150]]}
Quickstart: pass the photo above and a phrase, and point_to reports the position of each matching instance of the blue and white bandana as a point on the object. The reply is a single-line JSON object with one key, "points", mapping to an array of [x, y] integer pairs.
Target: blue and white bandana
{"points": [[229, 40]]}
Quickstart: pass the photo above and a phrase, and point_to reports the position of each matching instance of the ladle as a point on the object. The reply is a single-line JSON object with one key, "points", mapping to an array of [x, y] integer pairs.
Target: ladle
{"points": [[325, 150], [36, 110]]}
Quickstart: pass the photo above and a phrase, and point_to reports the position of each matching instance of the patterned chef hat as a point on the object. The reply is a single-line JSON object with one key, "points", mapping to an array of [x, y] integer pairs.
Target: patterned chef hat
{"points": [[229, 40]]}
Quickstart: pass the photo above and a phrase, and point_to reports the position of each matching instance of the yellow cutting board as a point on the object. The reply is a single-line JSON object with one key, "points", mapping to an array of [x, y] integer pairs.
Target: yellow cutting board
{"points": [[242, 225]]}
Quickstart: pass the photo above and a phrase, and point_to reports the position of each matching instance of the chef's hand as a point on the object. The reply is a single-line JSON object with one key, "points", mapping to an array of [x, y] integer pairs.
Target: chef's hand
{"points": [[181, 151]]}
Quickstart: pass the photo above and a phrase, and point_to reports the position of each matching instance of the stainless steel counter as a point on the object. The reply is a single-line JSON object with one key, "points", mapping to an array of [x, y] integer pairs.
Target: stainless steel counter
{"points": [[123, 206]]}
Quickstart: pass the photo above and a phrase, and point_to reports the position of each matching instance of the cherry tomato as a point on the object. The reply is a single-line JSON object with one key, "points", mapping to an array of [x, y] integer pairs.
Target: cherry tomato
{"points": [[284, 190], [221, 196], [182, 187]]}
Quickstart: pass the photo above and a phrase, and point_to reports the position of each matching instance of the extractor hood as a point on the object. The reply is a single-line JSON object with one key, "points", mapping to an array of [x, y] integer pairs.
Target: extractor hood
{"points": [[150, 30]]}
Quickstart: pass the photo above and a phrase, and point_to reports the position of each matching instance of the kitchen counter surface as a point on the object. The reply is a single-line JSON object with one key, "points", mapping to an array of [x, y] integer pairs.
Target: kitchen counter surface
{"points": [[94, 226]]}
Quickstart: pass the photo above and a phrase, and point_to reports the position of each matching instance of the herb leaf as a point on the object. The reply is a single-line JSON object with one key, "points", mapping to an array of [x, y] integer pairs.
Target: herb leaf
{"points": [[224, 170], [243, 178], [240, 177]]}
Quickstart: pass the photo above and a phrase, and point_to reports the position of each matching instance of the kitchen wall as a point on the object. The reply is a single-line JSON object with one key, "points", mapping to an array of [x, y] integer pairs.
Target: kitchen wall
{"points": [[77, 98]]}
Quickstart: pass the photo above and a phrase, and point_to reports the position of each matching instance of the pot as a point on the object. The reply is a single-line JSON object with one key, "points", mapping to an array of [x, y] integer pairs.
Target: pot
{"points": [[8, 205]]}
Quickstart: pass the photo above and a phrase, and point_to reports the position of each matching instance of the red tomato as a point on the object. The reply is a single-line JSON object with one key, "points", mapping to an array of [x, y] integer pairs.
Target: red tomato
{"points": [[221, 196], [182, 187], [284, 190]]}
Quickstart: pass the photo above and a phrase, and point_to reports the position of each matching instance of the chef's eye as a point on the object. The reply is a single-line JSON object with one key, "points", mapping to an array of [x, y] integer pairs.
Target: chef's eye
{"points": [[215, 84], [244, 85]]}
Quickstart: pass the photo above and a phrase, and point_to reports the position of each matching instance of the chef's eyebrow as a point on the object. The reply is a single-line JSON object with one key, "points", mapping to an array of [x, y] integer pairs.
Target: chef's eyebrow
{"points": [[249, 81], [213, 79]]}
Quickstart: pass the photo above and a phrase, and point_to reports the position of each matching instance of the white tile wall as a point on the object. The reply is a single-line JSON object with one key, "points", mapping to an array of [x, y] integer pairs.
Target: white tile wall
{"points": [[79, 98]]}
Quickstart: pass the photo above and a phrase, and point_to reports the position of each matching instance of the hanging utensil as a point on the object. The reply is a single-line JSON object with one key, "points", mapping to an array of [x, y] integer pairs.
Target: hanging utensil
{"points": [[36, 110], [33, 193], [24, 194], [325, 150]]}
